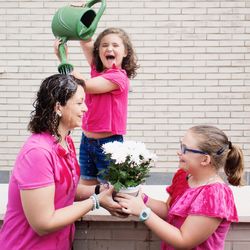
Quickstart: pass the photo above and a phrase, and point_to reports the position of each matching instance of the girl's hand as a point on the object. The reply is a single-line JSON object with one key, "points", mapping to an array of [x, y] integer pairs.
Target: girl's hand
{"points": [[57, 42], [77, 75], [130, 204], [84, 42]]}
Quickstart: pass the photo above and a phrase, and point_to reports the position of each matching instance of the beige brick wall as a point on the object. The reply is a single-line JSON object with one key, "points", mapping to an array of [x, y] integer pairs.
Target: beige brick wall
{"points": [[136, 236], [195, 68], [238, 237], [100, 235]]}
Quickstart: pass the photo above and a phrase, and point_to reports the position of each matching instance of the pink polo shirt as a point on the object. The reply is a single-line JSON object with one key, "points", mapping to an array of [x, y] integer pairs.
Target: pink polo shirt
{"points": [[107, 112], [40, 163]]}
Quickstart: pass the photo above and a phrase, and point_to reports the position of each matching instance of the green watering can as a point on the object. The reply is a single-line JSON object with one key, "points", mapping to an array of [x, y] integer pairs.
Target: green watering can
{"points": [[75, 23]]}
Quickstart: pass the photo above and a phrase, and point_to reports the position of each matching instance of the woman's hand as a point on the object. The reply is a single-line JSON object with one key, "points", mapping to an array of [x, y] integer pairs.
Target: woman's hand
{"points": [[130, 204], [106, 201]]}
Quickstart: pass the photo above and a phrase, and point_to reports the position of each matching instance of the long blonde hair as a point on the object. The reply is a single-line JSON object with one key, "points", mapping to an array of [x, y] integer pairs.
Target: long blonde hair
{"points": [[223, 153]]}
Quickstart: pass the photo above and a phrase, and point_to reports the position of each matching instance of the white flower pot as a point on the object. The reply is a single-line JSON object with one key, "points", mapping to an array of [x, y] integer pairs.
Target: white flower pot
{"points": [[130, 190]]}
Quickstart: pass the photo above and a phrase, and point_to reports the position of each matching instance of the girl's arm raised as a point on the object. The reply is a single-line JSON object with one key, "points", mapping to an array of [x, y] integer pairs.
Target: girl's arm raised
{"points": [[87, 48]]}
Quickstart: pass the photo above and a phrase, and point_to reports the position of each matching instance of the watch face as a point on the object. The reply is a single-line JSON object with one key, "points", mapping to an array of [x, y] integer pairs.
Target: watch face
{"points": [[144, 215]]}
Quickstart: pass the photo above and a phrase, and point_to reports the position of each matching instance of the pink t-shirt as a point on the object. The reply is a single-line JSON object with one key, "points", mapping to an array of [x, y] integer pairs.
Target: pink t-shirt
{"points": [[107, 112], [212, 200], [40, 163]]}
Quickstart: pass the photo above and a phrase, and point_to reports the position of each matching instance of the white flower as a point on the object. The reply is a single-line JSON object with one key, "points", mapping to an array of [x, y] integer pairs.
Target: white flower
{"points": [[136, 152], [129, 163]]}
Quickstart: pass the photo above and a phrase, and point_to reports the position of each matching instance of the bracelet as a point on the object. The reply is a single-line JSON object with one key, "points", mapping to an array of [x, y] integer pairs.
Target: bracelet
{"points": [[97, 189], [145, 198], [97, 201], [94, 202]]}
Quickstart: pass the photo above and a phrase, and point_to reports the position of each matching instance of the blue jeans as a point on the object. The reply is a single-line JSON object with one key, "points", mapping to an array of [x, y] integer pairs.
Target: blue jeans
{"points": [[92, 158]]}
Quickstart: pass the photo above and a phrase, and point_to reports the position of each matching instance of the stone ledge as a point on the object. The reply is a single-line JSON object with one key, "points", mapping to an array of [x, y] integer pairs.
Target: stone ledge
{"points": [[241, 196]]}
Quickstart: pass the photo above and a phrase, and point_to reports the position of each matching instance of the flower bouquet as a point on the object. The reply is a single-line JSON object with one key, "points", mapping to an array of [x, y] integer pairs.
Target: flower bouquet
{"points": [[129, 163]]}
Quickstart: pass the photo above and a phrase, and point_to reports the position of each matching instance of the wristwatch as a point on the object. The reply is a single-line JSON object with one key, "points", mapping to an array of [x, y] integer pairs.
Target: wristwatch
{"points": [[145, 213], [97, 189]]}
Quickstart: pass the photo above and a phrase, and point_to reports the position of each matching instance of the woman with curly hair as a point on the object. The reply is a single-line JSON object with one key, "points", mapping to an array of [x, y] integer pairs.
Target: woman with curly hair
{"points": [[45, 179]]}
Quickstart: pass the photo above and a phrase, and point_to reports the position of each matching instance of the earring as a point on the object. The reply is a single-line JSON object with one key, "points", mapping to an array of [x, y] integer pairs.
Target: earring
{"points": [[59, 114]]}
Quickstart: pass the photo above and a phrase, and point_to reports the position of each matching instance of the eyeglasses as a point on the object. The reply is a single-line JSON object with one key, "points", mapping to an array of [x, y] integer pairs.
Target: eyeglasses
{"points": [[185, 149]]}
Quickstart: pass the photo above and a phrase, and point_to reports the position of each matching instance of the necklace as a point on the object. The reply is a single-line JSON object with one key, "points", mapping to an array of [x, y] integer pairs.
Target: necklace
{"points": [[205, 182]]}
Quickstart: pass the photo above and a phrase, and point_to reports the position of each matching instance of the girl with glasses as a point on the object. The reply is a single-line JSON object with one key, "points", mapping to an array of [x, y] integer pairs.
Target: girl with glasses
{"points": [[201, 206]]}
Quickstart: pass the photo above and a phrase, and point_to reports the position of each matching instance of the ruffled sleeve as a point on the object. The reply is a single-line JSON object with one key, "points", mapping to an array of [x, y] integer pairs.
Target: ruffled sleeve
{"points": [[214, 200]]}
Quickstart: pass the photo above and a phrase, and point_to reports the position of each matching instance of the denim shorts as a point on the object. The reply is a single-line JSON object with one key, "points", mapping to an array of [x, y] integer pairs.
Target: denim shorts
{"points": [[92, 158]]}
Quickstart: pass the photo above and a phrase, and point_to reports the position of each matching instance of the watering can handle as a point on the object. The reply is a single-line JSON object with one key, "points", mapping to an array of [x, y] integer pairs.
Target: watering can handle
{"points": [[92, 2], [100, 11]]}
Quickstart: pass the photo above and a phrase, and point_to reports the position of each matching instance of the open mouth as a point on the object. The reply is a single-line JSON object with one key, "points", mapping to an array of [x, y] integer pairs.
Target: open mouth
{"points": [[110, 57]]}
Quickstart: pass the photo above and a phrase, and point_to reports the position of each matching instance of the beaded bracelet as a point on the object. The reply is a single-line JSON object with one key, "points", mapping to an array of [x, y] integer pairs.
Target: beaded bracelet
{"points": [[96, 203]]}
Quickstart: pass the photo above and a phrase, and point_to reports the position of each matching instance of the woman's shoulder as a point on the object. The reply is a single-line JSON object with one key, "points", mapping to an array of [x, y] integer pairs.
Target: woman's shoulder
{"points": [[38, 143]]}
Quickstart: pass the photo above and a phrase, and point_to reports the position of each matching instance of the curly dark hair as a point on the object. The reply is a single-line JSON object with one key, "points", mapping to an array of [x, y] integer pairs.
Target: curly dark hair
{"points": [[129, 63], [58, 88]]}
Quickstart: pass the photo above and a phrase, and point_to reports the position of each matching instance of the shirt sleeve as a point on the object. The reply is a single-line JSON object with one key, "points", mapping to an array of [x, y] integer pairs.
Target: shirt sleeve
{"points": [[34, 169], [117, 76], [215, 201]]}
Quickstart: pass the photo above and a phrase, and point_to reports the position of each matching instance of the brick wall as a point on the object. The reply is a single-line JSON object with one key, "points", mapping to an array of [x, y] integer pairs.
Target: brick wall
{"points": [[100, 235], [108, 235], [195, 68]]}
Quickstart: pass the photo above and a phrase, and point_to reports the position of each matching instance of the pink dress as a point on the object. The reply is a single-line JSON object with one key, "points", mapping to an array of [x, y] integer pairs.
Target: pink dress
{"points": [[212, 200]]}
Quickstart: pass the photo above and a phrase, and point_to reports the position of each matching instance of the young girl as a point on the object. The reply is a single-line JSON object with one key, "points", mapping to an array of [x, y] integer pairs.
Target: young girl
{"points": [[202, 208], [113, 62], [44, 184]]}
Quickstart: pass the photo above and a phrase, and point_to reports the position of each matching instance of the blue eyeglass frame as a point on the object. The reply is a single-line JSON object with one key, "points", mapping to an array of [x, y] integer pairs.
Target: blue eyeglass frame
{"points": [[185, 149]]}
